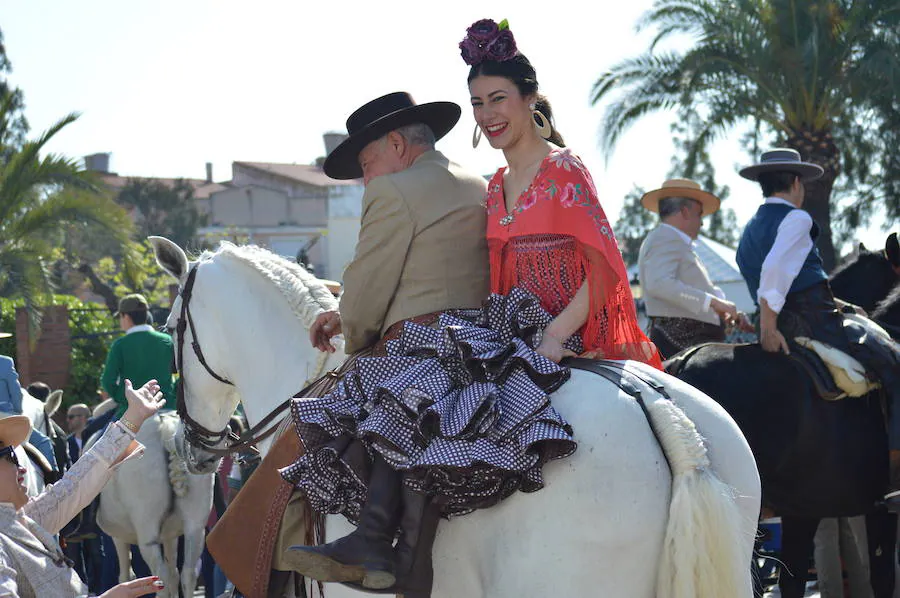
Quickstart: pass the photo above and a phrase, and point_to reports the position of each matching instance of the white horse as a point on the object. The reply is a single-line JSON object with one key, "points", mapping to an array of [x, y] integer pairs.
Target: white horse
{"points": [[151, 501], [39, 414], [610, 521]]}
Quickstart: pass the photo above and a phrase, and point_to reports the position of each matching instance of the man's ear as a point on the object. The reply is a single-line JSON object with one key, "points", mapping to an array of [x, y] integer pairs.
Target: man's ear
{"points": [[396, 143]]}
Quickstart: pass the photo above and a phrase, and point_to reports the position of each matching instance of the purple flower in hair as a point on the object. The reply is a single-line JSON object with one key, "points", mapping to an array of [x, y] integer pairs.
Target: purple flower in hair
{"points": [[471, 52], [482, 31], [486, 40], [502, 47]]}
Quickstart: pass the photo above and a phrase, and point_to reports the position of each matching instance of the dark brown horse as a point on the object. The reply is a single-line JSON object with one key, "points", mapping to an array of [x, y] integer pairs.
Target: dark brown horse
{"points": [[816, 458]]}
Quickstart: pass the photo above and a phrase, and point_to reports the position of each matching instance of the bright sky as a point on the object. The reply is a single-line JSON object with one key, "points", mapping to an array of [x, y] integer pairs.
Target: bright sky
{"points": [[167, 86]]}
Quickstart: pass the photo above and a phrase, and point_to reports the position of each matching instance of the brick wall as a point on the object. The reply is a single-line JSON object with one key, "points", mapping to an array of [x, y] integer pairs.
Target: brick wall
{"points": [[50, 360]]}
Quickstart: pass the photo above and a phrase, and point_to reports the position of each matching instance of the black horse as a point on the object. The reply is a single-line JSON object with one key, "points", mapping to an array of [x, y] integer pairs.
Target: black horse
{"points": [[816, 458]]}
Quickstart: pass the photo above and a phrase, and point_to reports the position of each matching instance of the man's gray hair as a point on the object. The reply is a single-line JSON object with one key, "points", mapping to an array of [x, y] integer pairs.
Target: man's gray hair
{"points": [[418, 134], [669, 206]]}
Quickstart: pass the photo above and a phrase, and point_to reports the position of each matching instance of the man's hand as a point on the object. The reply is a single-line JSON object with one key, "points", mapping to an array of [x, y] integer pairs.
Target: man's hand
{"points": [[770, 337], [726, 309], [327, 325]]}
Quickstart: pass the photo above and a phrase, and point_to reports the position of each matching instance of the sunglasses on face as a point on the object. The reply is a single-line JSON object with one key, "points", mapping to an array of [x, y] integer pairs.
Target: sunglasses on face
{"points": [[9, 453]]}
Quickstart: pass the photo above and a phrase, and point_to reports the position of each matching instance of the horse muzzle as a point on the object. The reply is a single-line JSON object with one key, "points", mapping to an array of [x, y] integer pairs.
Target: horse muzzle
{"points": [[197, 461]]}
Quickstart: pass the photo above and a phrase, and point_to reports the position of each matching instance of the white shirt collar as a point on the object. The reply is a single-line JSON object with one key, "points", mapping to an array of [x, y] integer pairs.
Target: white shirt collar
{"points": [[140, 328], [684, 236], [779, 200]]}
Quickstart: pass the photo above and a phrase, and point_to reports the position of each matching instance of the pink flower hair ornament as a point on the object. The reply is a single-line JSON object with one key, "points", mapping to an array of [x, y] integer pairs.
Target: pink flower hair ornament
{"points": [[486, 40]]}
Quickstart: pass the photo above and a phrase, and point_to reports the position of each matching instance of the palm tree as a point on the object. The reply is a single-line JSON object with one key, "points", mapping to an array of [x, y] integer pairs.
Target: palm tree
{"points": [[820, 76], [40, 197]]}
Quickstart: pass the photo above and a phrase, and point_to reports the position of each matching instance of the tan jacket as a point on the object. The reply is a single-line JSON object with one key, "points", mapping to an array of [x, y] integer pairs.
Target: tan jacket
{"points": [[421, 249], [673, 280], [28, 552]]}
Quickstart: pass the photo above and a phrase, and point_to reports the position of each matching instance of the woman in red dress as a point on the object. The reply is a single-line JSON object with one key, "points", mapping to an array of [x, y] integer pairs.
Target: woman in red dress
{"points": [[547, 233]]}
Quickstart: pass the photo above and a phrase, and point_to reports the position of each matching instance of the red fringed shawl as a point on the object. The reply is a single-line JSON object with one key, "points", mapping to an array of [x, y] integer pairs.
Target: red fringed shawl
{"points": [[556, 237]]}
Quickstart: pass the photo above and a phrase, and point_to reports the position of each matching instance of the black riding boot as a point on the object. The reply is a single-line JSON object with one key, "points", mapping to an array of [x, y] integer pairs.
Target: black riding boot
{"points": [[366, 555], [418, 526]]}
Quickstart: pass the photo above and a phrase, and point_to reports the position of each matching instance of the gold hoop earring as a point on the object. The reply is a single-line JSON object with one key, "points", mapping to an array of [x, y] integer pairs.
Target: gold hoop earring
{"points": [[543, 127], [476, 136]]}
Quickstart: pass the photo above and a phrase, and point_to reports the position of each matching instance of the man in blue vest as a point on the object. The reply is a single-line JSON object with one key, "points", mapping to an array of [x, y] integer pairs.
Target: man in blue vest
{"points": [[779, 260]]}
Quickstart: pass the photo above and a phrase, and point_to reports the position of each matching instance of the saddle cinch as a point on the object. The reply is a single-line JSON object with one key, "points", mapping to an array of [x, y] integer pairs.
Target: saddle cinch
{"points": [[836, 374]]}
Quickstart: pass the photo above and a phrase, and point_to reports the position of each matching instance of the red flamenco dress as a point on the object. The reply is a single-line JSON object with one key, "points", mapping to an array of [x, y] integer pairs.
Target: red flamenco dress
{"points": [[557, 237]]}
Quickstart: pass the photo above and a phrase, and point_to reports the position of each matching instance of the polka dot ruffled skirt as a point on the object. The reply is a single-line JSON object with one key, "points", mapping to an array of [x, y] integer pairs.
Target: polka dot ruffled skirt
{"points": [[461, 407]]}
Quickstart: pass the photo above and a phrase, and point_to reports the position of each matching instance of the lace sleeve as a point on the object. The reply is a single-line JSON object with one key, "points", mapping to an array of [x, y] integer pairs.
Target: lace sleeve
{"points": [[60, 502], [8, 585]]}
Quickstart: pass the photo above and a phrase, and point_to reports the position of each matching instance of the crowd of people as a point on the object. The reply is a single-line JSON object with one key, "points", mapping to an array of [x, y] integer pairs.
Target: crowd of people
{"points": [[459, 308]]}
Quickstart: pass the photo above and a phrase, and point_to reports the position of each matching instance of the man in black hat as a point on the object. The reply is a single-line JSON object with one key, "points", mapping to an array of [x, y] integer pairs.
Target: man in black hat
{"points": [[422, 250], [779, 260]]}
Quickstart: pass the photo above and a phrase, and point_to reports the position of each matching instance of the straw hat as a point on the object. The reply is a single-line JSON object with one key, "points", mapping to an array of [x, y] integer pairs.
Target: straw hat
{"points": [[681, 188], [14, 429]]}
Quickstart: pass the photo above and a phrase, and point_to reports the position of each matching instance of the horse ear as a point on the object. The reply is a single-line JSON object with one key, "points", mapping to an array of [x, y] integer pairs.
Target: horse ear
{"points": [[170, 257], [51, 405], [892, 250], [103, 408], [862, 248]]}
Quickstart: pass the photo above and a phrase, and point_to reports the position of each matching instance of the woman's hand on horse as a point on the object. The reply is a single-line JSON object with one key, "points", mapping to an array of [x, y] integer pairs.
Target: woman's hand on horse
{"points": [[327, 325], [134, 588], [551, 347], [142, 402]]}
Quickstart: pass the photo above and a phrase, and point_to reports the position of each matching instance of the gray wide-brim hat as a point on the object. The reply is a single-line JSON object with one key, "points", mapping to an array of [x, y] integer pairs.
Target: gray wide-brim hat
{"points": [[379, 117], [782, 160]]}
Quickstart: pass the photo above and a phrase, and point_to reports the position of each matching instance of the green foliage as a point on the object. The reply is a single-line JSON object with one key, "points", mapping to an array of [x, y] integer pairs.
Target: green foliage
{"points": [[40, 199], [165, 210], [820, 76], [149, 279], [14, 128], [92, 329], [633, 225]]}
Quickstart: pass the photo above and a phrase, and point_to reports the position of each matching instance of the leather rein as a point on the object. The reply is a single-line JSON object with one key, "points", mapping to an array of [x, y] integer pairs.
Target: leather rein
{"points": [[195, 433]]}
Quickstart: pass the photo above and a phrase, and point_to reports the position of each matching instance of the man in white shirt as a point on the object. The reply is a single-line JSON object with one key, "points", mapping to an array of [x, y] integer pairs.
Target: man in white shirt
{"points": [[684, 306], [781, 265]]}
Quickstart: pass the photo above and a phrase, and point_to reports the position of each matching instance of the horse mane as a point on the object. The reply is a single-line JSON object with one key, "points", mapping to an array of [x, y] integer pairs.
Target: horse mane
{"points": [[887, 303], [307, 295]]}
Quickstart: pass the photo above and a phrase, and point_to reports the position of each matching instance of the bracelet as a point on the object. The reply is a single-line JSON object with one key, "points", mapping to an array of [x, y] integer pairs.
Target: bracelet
{"points": [[130, 426]]}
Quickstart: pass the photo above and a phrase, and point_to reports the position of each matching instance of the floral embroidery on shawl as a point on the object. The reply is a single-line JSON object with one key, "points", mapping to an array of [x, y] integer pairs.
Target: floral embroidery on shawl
{"points": [[556, 238]]}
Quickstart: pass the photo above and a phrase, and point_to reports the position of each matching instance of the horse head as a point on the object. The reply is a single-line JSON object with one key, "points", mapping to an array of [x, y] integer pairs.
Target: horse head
{"points": [[867, 277], [240, 321], [35, 410]]}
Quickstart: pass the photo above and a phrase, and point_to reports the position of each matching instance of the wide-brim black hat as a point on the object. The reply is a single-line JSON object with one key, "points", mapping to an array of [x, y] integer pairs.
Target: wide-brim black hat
{"points": [[378, 118], [783, 160]]}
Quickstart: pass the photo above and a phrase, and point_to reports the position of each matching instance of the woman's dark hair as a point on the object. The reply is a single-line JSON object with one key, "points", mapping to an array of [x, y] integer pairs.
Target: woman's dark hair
{"points": [[776, 182], [519, 70]]}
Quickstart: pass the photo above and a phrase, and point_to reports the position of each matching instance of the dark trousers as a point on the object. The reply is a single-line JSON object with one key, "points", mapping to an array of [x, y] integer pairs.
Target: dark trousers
{"points": [[813, 313], [674, 335]]}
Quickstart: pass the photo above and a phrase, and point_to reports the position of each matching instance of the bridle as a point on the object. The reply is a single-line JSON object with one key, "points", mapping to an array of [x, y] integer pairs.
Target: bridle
{"points": [[195, 433]]}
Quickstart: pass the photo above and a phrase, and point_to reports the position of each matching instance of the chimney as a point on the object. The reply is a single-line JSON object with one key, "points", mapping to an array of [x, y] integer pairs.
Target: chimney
{"points": [[332, 140], [209, 172], [97, 162]]}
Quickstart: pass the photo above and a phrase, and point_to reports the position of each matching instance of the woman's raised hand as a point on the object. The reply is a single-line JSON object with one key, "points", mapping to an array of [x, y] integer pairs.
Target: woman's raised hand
{"points": [[142, 402]]}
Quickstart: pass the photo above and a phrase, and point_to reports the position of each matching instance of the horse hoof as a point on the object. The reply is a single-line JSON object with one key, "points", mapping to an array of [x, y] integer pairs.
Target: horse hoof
{"points": [[378, 580]]}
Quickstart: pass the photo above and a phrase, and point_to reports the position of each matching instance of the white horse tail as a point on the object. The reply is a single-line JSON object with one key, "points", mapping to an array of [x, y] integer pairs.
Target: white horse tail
{"points": [[178, 473], [702, 551]]}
